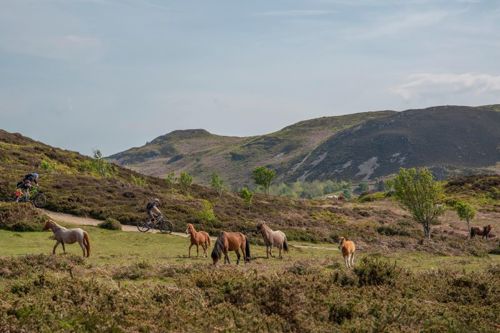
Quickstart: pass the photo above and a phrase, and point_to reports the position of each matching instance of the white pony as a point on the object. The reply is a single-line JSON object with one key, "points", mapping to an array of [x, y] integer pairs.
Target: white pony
{"points": [[69, 236], [273, 238]]}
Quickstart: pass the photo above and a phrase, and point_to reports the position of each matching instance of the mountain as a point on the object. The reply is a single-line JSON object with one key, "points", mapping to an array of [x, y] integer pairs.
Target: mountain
{"points": [[357, 147], [438, 137], [202, 153]]}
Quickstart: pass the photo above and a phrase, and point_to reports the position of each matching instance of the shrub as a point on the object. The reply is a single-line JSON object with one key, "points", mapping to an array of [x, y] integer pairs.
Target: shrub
{"points": [[111, 224], [206, 214], [375, 272], [138, 181], [185, 180], [391, 231], [47, 165], [21, 217]]}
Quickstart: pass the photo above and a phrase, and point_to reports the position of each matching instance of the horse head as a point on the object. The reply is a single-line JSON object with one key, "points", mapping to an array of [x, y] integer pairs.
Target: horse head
{"points": [[48, 225], [189, 228], [341, 241]]}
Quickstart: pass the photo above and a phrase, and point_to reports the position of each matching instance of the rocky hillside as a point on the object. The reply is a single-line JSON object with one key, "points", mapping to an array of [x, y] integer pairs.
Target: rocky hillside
{"points": [[440, 137], [202, 153], [358, 147]]}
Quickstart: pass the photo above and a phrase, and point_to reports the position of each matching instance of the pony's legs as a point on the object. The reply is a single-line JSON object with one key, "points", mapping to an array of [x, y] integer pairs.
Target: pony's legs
{"points": [[54, 249], [239, 256], [226, 257], [64, 249], [352, 259], [280, 256], [83, 247], [189, 255], [346, 261], [197, 251]]}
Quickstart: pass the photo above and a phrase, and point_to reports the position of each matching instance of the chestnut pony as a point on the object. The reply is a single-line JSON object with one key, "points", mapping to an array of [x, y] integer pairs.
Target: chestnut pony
{"points": [[477, 231], [231, 241], [198, 238], [69, 236], [348, 248]]}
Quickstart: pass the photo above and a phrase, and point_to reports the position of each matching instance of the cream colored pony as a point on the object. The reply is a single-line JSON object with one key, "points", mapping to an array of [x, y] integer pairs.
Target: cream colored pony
{"points": [[273, 238], [348, 248], [69, 236]]}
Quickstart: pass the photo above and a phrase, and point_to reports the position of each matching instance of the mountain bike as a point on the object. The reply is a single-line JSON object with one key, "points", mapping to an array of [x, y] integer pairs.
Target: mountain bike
{"points": [[164, 226], [36, 197]]}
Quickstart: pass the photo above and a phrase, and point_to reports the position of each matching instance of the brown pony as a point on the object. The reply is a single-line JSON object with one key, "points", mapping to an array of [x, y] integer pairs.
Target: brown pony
{"points": [[69, 236], [231, 241], [198, 238], [477, 231], [348, 248]]}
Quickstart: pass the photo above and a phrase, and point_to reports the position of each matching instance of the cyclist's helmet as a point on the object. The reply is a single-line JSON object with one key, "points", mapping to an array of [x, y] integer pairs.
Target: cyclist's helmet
{"points": [[157, 201], [35, 175]]}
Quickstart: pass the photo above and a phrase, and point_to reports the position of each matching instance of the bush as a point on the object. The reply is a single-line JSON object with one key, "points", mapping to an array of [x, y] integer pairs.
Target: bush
{"points": [[376, 272], [21, 217], [111, 224], [206, 214]]}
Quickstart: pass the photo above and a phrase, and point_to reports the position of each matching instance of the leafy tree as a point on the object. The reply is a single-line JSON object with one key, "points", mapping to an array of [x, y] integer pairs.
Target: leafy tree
{"points": [[347, 194], [466, 213], [170, 179], [217, 183], [263, 176], [185, 180], [247, 196], [206, 214], [363, 187], [417, 191]]}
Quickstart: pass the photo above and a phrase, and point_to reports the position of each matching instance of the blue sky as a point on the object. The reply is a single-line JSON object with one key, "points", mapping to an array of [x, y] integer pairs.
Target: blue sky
{"points": [[109, 74]]}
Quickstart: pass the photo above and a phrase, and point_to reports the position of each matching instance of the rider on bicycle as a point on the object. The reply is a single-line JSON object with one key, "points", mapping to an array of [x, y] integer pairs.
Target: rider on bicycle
{"points": [[153, 210], [26, 184]]}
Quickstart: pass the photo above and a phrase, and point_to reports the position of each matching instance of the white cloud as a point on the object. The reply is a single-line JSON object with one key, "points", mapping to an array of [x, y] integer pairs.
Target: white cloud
{"points": [[425, 84]]}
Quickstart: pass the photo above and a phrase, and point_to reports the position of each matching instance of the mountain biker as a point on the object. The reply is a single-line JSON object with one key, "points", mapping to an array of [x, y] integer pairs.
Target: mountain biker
{"points": [[153, 210], [26, 184]]}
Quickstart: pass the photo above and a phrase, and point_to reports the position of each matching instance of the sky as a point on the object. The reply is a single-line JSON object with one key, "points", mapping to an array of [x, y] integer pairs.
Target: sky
{"points": [[110, 75]]}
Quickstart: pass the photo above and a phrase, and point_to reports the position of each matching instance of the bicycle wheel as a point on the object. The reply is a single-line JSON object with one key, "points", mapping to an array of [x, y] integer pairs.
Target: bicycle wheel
{"points": [[40, 200], [165, 226], [144, 226]]}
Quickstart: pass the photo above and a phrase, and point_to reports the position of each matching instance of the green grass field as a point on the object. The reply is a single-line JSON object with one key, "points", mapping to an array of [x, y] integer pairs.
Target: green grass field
{"points": [[117, 248]]}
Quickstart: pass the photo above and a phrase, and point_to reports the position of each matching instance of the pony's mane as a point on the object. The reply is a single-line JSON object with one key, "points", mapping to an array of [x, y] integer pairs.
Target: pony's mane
{"points": [[218, 247]]}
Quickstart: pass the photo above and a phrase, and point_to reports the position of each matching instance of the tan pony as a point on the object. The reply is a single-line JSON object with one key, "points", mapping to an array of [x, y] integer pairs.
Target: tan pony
{"points": [[348, 248], [198, 238], [231, 241], [69, 236], [273, 238]]}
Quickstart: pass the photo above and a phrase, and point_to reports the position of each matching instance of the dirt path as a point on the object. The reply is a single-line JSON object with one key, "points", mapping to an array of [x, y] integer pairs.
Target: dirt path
{"points": [[77, 220]]}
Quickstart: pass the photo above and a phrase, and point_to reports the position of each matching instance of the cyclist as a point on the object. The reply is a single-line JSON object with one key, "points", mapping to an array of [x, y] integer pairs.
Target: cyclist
{"points": [[26, 184], [153, 210]]}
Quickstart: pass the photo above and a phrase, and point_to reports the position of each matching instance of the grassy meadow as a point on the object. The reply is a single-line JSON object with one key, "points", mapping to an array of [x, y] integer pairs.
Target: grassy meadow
{"points": [[136, 282]]}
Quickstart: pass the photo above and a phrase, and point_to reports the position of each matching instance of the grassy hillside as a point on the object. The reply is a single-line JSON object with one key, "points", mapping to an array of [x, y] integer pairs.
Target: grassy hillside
{"points": [[440, 137], [450, 139], [202, 153], [73, 187]]}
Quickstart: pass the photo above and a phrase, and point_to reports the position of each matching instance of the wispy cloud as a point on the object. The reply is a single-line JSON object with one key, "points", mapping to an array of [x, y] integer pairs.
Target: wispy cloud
{"points": [[296, 13], [422, 84]]}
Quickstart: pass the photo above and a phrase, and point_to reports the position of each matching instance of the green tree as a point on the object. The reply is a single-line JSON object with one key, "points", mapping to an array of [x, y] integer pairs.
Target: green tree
{"points": [[185, 180], [417, 191], [347, 194], [363, 187], [100, 165], [466, 213], [247, 196], [263, 176], [170, 179], [217, 183]]}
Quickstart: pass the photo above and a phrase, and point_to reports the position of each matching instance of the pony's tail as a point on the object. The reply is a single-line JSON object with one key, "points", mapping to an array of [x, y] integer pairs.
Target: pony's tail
{"points": [[208, 239], [247, 249], [218, 247], [86, 242], [285, 245]]}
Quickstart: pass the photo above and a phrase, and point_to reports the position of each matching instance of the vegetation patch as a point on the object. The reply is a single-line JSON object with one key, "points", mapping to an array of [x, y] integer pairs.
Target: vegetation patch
{"points": [[111, 224], [21, 217]]}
